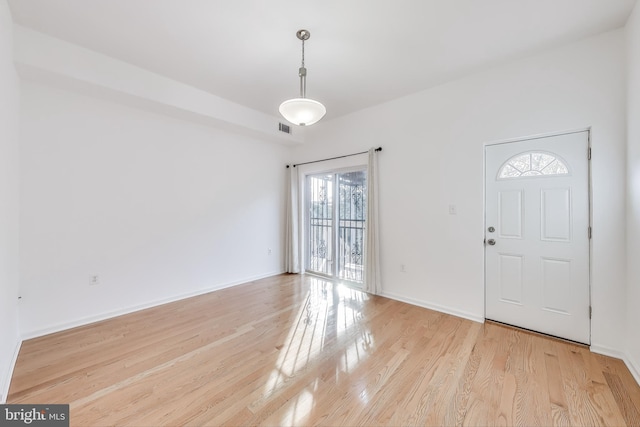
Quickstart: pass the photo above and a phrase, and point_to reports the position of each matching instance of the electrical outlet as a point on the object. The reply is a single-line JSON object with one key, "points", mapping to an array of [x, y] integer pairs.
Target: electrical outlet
{"points": [[453, 210], [403, 268], [269, 251], [94, 280]]}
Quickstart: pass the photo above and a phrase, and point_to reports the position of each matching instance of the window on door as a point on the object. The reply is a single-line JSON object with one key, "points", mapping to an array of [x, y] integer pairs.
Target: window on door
{"points": [[336, 206]]}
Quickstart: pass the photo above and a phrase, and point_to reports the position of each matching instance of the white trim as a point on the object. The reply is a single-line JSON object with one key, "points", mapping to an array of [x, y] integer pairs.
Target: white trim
{"points": [[540, 136], [624, 356], [633, 367], [4, 390], [111, 314], [606, 351], [435, 307]]}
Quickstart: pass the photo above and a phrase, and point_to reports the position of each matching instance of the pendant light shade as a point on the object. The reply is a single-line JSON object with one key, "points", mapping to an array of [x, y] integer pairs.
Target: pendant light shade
{"points": [[302, 111]]}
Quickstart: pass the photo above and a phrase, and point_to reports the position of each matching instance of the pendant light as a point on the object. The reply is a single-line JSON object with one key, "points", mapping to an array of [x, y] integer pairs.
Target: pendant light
{"points": [[302, 111]]}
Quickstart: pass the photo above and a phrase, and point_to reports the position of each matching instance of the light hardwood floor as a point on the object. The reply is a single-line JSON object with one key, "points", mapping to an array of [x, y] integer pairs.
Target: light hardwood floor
{"points": [[299, 350]]}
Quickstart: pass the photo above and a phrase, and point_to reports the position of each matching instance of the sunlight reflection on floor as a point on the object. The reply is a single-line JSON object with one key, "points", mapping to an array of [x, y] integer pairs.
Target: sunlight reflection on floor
{"points": [[330, 316]]}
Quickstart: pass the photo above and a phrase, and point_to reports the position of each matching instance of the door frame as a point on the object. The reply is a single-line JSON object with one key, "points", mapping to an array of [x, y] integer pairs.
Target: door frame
{"points": [[590, 205]]}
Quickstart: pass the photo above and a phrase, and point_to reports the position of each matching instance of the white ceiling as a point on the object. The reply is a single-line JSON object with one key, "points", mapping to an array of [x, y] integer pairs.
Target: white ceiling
{"points": [[361, 52]]}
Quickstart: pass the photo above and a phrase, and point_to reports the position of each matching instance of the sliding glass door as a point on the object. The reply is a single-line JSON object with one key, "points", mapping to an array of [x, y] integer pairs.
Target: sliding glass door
{"points": [[336, 207]]}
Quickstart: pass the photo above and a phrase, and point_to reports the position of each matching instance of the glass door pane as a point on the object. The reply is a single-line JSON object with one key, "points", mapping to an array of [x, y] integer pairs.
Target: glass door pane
{"points": [[352, 214], [320, 249]]}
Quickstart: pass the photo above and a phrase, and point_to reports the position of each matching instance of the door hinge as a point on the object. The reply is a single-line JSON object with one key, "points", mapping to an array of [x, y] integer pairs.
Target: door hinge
{"points": [[589, 153], [590, 232], [590, 312]]}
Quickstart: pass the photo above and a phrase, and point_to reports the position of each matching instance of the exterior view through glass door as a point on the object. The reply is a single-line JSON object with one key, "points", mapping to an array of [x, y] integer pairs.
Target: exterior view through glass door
{"points": [[336, 206]]}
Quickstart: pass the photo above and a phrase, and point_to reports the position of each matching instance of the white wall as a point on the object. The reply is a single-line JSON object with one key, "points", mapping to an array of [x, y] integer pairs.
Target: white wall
{"points": [[433, 157], [633, 205], [156, 206], [9, 201]]}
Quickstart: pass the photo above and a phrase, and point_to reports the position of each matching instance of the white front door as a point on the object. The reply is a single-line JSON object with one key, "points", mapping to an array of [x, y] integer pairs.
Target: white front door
{"points": [[537, 235]]}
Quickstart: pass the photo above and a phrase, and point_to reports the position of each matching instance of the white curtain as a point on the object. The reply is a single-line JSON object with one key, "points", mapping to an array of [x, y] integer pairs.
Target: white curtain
{"points": [[292, 245], [372, 278]]}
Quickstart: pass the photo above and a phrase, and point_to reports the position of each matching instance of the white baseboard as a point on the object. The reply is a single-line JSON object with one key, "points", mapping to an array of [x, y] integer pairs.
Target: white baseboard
{"points": [[4, 387], [435, 307], [606, 351], [625, 357], [127, 310], [634, 367]]}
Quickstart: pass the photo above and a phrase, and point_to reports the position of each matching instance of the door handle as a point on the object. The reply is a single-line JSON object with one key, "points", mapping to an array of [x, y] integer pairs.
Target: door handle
{"points": [[491, 242]]}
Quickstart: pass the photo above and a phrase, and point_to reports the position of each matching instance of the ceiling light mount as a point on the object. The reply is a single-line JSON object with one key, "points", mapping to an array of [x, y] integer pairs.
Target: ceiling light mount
{"points": [[302, 111], [303, 35]]}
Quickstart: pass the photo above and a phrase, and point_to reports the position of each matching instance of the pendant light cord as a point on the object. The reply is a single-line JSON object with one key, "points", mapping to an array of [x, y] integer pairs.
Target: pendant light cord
{"points": [[303, 76]]}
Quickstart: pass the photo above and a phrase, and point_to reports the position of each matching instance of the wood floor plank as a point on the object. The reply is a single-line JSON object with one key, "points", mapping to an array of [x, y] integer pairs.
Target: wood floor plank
{"points": [[557, 399], [484, 397], [299, 350], [628, 410]]}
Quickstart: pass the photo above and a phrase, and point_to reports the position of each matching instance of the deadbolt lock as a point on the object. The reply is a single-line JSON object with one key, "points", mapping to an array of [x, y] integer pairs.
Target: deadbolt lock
{"points": [[491, 229]]}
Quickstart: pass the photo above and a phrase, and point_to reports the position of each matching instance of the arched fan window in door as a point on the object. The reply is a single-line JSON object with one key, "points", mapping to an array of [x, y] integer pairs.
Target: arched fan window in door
{"points": [[533, 164]]}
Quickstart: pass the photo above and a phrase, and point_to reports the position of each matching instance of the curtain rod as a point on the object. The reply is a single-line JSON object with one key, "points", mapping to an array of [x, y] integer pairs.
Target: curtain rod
{"points": [[333, 158]]}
